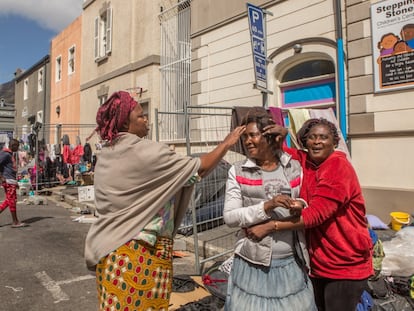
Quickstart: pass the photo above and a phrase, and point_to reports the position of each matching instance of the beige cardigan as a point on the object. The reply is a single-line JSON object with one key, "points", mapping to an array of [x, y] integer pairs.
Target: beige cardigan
{"points": [[135, 178]]}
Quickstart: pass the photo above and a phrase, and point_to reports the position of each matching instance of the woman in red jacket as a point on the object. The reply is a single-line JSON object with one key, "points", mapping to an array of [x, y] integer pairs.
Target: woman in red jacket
{"points": [[336, 228]]}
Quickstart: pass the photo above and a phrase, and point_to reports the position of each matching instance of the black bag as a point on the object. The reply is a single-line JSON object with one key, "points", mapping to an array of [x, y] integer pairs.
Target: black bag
{"points": [[385, 290], [394, 302], [379, 287], [400, 285]]}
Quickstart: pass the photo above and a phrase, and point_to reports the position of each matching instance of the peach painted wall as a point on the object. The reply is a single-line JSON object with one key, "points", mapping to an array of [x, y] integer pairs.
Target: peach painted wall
{"points": [[65, 92]]}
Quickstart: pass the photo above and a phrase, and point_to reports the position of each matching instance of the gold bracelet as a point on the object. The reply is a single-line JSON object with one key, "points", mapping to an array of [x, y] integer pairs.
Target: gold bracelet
{"points": [[276, 225]]}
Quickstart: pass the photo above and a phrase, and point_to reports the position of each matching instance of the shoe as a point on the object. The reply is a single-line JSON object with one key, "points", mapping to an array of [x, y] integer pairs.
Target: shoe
{"points": [[20, 225]]}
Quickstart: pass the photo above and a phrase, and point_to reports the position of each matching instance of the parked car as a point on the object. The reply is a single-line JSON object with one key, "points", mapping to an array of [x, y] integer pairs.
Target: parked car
{"points": [[209, 196]]}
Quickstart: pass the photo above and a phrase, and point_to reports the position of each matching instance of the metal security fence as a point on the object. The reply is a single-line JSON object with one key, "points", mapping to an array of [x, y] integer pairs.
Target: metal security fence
{"points": [[50, 133], [204, 128], [41, 159]]}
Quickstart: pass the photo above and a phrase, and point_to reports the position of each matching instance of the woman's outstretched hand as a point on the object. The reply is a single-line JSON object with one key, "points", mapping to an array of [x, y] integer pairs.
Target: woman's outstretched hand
{"points": [[234, 136], [211, 159]]}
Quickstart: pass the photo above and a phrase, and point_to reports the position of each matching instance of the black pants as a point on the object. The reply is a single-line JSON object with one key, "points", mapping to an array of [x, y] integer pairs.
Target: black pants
{"points": [[338, 295]]}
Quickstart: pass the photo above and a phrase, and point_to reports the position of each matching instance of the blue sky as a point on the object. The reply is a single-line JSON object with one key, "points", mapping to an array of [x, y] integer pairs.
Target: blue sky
{"points": [[26, 29]]}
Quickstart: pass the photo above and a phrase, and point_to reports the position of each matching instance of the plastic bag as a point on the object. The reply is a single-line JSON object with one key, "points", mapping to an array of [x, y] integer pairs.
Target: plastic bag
{"points": [[399, 255]]}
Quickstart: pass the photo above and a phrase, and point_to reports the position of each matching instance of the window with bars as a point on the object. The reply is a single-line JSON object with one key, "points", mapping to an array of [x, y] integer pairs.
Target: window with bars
{"points": [[175, 65]]}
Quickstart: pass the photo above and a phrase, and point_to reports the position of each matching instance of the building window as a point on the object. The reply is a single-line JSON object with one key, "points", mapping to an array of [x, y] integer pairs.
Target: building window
{"points": [[103, 34], [310, 83], [39, 116], [26, 89], [58, 72], [25, 112], [40, 80], [102, 99], [71, 60]]}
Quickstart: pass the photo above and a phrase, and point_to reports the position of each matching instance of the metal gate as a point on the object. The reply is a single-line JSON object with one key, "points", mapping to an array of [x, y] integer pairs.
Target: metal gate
{"points": [[204, 128]]}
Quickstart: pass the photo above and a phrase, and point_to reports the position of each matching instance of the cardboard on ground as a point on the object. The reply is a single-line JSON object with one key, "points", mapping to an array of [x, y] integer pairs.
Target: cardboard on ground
{"points": [[179, 299]]}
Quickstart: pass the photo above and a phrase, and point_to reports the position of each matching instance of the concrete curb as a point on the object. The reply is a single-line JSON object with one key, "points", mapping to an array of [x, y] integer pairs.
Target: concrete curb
{"points": [[73, 201]]}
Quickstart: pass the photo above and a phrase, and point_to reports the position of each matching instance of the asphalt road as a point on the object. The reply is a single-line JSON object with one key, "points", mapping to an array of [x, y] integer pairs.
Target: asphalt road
{"points": [[42, 265]]}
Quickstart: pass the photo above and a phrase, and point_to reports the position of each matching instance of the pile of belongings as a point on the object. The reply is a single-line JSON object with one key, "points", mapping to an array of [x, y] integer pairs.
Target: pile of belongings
{"points": [[392, 285]]}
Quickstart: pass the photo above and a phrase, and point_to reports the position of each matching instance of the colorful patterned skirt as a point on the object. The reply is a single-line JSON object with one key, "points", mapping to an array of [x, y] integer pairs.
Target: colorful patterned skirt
{"points": [[136, 276]]}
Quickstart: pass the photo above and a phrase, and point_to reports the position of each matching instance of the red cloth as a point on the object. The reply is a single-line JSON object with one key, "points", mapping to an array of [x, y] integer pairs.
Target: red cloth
{"points": [[277, 115], [77, 153], [11, 197], [67, 154], [337, 235], [72, 156], [113, 114]]}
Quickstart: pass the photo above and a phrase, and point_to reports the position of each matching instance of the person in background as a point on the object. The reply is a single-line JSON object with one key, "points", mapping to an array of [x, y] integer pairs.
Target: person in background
{"points": [[338, 239], [8, 170], [267, 273], [142, 190]]}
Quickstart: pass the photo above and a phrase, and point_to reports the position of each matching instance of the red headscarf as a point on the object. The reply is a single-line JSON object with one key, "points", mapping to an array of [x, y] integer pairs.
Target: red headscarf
{"points": [[113, 114]]}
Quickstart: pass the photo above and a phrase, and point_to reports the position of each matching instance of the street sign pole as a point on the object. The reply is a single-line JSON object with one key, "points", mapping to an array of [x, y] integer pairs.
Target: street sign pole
{"points": [[257, 26]]}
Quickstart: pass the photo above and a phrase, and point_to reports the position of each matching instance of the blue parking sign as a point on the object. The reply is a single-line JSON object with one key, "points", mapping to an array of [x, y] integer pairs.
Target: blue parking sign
{"points": [[258, 40], [256, 21]]}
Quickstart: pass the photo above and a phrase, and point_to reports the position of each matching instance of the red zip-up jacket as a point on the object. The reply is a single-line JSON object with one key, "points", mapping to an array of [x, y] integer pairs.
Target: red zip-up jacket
{"points": [[337, 235]]}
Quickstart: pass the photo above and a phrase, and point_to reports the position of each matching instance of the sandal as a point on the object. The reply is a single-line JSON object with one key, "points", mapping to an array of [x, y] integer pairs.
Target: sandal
{"points": [[19, 225], [183, 283]]}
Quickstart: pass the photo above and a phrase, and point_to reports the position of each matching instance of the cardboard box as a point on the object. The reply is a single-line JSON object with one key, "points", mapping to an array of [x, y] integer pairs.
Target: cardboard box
{"points": [[87, 179]]}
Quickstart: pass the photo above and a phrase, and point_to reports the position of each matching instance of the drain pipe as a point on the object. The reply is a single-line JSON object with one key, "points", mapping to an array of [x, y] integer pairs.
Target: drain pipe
{"points": [[340, 68]]}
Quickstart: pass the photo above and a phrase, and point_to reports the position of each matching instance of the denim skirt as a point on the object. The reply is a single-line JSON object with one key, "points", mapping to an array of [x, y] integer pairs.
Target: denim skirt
{"points": [[283, 286]]}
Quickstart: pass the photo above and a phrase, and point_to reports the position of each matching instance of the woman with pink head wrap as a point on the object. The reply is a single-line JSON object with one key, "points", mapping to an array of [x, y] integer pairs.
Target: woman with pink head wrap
{"points": [[113, 114], [142, 190]]}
